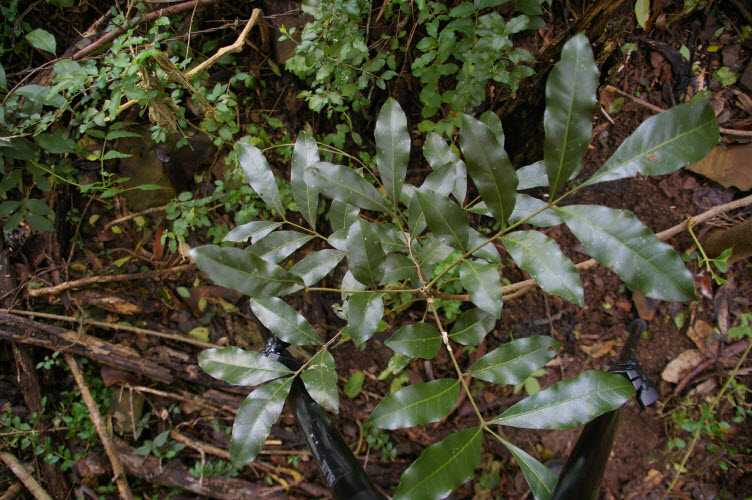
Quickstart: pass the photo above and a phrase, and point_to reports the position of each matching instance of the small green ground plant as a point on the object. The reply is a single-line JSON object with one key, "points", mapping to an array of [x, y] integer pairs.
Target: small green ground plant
{"points": [[390, 241]]}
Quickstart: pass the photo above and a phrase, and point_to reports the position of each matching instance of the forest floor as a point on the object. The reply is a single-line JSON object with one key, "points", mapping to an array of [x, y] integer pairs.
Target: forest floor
{"points": [[155, 395]]}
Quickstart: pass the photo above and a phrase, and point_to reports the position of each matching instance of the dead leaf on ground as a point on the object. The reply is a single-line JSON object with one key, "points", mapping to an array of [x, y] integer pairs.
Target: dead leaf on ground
{"points": [[600, 349], [113, 303], [703, 335], [727, 165], [646, 307], [681, 365]]}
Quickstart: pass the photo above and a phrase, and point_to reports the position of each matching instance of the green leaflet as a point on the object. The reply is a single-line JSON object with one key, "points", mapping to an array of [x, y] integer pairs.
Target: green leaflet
{"points": [[442, 467], [392, 148], [305, 154], [364, 313], [449, 222], [570, 100], [472, 327], [238, 367], [417, 404], [514, 361], [365, 256], [541, 479], [487, 252], [437, 152], [619, 241], [260, 176], [315, 266], [342, 215], [540, 256], [489, 167], [255, 418], [279, 245], [397, 268], [320, 380], [663, 143], [420, 340], [532, 176], [570, 402], [344, 184], [482, 281], [527, 205], [254, 230], [243, 271], [286, 323]]}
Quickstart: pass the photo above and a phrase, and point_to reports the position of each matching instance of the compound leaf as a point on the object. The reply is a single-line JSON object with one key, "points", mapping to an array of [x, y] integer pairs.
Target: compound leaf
{"points": [[541, 479], [540, 256], [320, 380], [514, 361], [305, 154], [489, 167], [569, 403], [472, 327], [255, 418], [442, 467], [619, 241], [243, 271], [392, 148], [364, 314], [254, 230], [663, 143], [260, 176], [282, 319], [447, 220], [316, 265], [570, 100], [279, 245], [238, 367], [365, 256], [344, 184], [420, 340], [482, 281], [417, 404]]}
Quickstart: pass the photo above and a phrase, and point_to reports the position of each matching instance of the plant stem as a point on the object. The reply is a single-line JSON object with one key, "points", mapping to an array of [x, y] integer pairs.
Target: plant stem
{"points": [[705, 259], [713, 406]]}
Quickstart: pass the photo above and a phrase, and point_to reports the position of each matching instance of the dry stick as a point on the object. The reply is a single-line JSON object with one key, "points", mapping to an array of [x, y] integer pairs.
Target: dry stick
{"points": [[52, 290], [99, 425], [134, 215], [657, 109], [13, 492], [115, 326], [22, 474], [230, 49], [151, 16]]}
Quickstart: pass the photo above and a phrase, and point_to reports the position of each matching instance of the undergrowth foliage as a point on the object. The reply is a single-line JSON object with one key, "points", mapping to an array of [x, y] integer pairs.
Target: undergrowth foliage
{"points": [[391, 239]]}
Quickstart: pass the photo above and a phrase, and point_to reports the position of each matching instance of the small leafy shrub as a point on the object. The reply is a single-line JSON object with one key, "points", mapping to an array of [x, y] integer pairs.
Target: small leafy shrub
{"points": [[391, 240], [463, 48]]}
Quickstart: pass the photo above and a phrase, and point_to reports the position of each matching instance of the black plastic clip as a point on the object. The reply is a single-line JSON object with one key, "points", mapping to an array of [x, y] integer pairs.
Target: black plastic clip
{"points": [[647, 392]]}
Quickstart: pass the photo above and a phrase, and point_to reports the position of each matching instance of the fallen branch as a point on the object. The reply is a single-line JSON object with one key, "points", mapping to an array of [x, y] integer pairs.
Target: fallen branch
{"points": [[23, 475], [94, 280], [99, 425], [169, 473]]}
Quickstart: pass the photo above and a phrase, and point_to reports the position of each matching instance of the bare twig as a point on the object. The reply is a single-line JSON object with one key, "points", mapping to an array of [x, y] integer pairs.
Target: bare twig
{"points": [[657, 109], [104, 435], [23, 475], [68, 285]]}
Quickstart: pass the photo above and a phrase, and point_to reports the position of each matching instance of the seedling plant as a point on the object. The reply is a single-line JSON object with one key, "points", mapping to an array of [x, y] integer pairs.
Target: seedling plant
{"points": [[388, 237]]}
